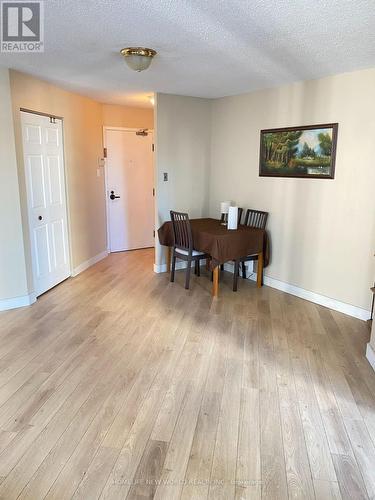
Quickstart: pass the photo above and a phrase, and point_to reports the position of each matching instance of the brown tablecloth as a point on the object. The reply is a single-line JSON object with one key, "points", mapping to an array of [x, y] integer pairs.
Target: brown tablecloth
{"points": [[223, 244]]}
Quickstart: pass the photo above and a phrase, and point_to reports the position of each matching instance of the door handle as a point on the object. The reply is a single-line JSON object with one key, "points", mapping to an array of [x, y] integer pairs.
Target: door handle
{"points": [[40, 217], [113, 196]]}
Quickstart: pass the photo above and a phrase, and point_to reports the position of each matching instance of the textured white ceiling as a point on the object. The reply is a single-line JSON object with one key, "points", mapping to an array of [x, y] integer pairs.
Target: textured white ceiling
{"points": [[207, 48]]}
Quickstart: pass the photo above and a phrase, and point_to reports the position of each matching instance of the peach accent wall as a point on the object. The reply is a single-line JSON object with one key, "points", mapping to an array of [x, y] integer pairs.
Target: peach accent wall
{"points": [[83, 121], [127, 116], [83, 146]]}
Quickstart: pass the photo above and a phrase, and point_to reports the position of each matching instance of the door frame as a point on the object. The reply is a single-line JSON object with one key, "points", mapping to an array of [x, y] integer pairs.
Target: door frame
{"points": [[66, 193], [125, 129]]}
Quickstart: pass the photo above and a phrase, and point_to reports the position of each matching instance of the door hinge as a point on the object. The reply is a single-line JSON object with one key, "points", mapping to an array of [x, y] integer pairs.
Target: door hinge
{"points": [[52, 119], [153, 191], [153, 234], [105, 152], [153, 147]]}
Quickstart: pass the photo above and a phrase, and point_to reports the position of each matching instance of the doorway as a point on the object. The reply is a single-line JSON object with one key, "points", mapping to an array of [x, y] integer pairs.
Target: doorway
{"points": [[129, 188], [46, 199]]}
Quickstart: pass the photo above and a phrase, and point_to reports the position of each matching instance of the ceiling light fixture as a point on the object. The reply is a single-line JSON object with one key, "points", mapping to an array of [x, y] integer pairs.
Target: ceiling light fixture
{"points": [[138, 58]]}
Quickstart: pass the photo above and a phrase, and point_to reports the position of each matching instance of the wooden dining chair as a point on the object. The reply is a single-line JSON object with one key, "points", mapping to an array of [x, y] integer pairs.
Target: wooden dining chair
{"points": [[183, 246], [258, 220]]}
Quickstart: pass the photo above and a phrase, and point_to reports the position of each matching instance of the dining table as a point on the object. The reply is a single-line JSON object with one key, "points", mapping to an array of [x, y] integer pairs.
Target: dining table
{"points": [[211, 236]]}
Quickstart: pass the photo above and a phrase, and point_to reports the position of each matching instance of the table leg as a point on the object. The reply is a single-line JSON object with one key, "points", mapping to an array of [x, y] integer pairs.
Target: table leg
{"points": [[215, 283], [169, 258], [260, 270]]}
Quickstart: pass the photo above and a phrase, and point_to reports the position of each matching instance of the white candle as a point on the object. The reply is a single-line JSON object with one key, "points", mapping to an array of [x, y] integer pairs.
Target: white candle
{"points": [[232, 217]]}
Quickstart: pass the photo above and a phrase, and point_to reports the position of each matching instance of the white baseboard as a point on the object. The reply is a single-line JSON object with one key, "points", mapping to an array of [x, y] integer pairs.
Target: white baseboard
{"points": [[88, 263], [27, 300], [370, 355], [15, 302], [322, 300]]}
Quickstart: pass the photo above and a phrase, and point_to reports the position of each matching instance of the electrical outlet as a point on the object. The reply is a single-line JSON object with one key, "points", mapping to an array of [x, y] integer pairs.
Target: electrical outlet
{"points": [[165, 176]]}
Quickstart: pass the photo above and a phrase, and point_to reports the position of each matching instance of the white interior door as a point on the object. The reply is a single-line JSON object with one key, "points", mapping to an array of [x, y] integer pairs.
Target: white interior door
{"points": [[130, 179], [46, 197]]}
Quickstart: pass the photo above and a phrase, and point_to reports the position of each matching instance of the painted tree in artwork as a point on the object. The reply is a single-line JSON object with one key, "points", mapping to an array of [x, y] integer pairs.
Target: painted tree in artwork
{"points": [[307, 152], [281, 147], [325, 144]]}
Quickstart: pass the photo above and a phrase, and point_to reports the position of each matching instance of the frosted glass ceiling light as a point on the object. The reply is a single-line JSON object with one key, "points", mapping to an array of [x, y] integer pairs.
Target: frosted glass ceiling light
{"points": [[138, 58]]}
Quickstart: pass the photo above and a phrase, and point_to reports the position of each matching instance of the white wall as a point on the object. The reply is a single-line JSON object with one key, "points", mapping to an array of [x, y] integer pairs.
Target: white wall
{"points": [[323, 231], [183, 127], [13, 282]]}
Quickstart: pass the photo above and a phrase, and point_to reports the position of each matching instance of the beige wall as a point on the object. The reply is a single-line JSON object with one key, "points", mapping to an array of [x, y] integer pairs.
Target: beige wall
{"points": [[323, 231], [13, 282], [83, 148], [183, 151], [127, 116]]}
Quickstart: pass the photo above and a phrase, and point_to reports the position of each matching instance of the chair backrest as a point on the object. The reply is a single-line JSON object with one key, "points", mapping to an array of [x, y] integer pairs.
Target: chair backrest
{"points": [[240, 212], [256, 218], [182, 234]]}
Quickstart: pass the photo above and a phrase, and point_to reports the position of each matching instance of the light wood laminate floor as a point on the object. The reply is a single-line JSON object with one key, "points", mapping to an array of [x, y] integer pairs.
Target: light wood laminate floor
{"points": [[119, 384]]}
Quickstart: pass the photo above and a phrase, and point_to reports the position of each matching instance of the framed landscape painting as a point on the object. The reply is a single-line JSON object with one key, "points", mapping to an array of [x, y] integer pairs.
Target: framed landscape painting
{"points": [[299, 151]]}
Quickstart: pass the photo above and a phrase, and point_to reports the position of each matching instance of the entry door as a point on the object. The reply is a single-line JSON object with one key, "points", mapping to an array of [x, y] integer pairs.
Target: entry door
{"points": [[46, 196], [130, 181]]}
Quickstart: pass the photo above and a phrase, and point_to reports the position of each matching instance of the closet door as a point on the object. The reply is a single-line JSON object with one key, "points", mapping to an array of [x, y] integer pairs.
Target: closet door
{"points": [[46, 196]]}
